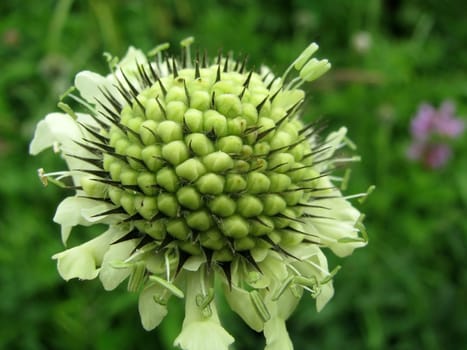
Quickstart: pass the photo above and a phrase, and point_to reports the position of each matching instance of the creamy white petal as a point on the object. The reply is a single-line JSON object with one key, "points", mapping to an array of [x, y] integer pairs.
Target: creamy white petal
{"points": [[110, 276], [240, 302], [90, 86], [200, 331], [151, 312], [55, 128]]}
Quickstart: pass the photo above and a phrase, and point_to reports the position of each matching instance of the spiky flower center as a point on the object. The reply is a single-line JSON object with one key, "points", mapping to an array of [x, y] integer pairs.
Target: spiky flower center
{"points": [[211, 158]]}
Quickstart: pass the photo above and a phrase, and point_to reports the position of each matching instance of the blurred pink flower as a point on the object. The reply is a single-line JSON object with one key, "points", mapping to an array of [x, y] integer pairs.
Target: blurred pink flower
{"points": [[431, 130]]}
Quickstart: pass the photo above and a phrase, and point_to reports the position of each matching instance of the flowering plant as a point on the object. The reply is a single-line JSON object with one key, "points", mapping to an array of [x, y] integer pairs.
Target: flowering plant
{"points": [[431, 130], [208, 182]]}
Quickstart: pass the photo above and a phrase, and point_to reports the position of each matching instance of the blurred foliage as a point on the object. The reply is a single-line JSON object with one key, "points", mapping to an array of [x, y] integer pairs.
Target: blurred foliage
{"points": [[406, 290]]}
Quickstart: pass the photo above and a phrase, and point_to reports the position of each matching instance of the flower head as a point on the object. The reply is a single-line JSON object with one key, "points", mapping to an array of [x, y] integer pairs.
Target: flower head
{"points": [[208, 181], [431, 130]]}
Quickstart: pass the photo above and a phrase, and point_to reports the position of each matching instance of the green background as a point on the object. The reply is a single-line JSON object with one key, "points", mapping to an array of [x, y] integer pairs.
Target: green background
{"points": [[406, 290]]}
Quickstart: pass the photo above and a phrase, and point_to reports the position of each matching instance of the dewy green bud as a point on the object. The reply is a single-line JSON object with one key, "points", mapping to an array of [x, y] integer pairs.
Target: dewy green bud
{"points": [[204, 175]]}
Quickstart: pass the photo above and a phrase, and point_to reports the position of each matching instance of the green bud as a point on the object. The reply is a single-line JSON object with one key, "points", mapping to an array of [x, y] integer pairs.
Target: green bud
{"points": [[115, 194], [167, 204], [169, 131], [235, 183], [218, 162], [178, 229], [210, 184], [249, 206], [147, 182], [273, 204], [244, 243], [250, 113], [167, 179], [235, 226], [229, 105], [199, 220], [281, 162], [230, 144], [193, 118], [146, 206], [175, 152], [148, 132], [257, 182], [222, 205], [280, 140], [212, 239], [279, 182], [199, 143], [191, 169], [153, 110], [127, 201], [261, 225], [216, 122], [152, 157], [156, 229], [200, 100], [92, 187], [176, 93], [236, 126], [129, 177], [189, 198], [222, 255], [175, 111]]}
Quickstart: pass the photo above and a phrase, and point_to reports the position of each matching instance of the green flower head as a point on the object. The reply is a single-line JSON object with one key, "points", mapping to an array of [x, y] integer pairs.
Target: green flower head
{"points": [[209, 183]]}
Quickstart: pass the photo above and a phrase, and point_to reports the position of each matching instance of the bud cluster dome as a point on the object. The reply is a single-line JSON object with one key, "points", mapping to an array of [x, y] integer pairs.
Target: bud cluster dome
{"points": [[208, 181]]}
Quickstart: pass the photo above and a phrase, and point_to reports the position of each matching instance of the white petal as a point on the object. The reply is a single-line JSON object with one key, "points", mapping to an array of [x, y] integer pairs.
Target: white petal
{"points": [[204, 335], [199, 331], [90, 84], [240, 302], [151, 313], [277, 337], [55, 127], [110, 276]]}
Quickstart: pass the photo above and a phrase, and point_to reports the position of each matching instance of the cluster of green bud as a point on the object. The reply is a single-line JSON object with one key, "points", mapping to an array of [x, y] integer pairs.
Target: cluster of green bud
{"points": [[212, 158]]}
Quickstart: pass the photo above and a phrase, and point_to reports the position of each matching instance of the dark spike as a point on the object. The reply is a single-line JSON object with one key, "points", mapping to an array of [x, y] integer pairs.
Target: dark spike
{"points": [[264, 133], [117, 210], [133, 234], [174, 65], [156, 78], [277, 247], [124, 94], [165, 242], [283, 216], [226, 267], [182, 258], [308, 205], [295, 107], [219, 57], [112, 100], [167, 63], [271, 83], [287, 147], [97, 162], [142, 73], [243, 65], [183, 56], [99, 173], [104, 147], [290, 228], [197, 72], [218, 74], [146, 240], [247, 80], [213, 96], [99, 199], [263, 78], [100, 122], [309, 215], [249, 258], [261, 104], [204, 64], [133, 89], [98, 136], [89, 148], [277, 166], [140, 104], [161, 107], [208, 253], [186, 93], [273, 97], [242, 93], [226, 64], [237, 64], [318, 151]]}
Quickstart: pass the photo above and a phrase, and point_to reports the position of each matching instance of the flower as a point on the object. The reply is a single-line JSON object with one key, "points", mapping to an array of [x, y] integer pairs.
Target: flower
{"points": [[431, 130], [208, 183]]}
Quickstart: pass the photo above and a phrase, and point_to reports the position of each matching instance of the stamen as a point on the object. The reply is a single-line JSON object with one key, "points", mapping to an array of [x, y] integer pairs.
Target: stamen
{"points": [[168, 285]]}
